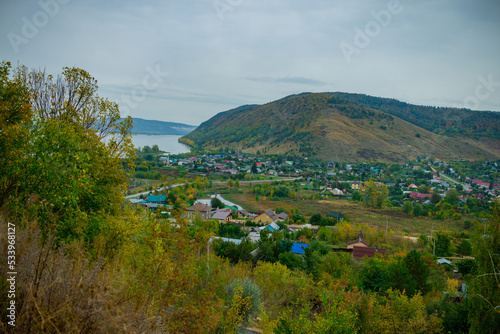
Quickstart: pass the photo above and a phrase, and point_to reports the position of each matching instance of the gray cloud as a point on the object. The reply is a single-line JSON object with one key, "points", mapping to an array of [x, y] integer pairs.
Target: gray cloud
{"points": [[430, 52], [294, 80]]}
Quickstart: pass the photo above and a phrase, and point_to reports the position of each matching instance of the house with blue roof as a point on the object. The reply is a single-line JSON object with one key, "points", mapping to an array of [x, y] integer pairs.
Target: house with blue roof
{"points": [[298, 248], [272, 227], [156, 199]]}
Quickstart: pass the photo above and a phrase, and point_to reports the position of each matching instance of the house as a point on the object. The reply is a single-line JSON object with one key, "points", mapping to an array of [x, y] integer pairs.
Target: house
{"points": [[336, 192], [264, 217], [222, 216], [356, 185], [357, 243], [156, 199], [242, 213], [298, 248], [359, 253], [235, 241], [164, 160], [136, 201], [254, 235], [203, 209], [272, 227], [416, 196], [270, 216], [444, 261]]}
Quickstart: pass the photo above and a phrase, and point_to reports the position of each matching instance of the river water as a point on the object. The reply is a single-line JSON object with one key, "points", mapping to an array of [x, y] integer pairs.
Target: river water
{"points": [[167, 143]]}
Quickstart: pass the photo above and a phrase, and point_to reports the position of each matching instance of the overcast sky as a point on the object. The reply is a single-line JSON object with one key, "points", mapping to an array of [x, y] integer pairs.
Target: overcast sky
{"points": [[186, 60]]}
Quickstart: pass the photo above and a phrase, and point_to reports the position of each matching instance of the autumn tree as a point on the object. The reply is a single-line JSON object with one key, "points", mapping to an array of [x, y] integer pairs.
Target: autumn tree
{"points": [[375, 196], [398, 313], [72, 97], [15, 114], [71, 151]]}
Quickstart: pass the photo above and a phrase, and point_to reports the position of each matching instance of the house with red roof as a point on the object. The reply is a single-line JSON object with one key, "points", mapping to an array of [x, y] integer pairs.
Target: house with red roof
{"points": [[358, 253], [416, 196]]}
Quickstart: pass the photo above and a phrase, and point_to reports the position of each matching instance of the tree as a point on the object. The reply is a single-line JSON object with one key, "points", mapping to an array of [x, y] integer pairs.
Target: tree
{"points": [[72, 178], [374, 275], [435, 198], [467, 266], [291, 260], [443, 245], [315, 218], [485, 288], [243, 302], [464, 248], [418, 269], [375, 196], [356, 195], [398, 313], [408, 206], [452, 197], [400, 278], [216, 203], [424, 189], [253, 169], [15, 114], [418, 210], [72, 97]]}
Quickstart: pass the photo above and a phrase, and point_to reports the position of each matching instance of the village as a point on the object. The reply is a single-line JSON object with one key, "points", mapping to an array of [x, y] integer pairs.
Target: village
{"points": [[427, 188]]}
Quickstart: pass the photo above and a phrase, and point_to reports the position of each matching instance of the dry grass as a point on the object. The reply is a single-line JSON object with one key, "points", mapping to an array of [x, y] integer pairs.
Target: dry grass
{"points": [[59, 290], [394, 217]]}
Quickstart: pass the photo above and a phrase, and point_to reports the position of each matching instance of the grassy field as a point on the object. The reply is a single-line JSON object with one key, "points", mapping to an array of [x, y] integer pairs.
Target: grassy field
{"points": [[394, 217], [396, 220]]}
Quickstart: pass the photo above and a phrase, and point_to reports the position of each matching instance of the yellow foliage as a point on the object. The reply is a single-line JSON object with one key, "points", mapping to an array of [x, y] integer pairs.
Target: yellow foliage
{"points": [[236, 312]]}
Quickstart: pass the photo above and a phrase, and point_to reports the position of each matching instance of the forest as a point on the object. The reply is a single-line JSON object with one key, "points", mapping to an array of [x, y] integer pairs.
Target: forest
{"points": [[87, 261], [448, 121]]}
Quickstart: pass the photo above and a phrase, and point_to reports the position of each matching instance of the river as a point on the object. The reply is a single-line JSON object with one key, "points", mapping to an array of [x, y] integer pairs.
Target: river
{"points": [[167, 143]]}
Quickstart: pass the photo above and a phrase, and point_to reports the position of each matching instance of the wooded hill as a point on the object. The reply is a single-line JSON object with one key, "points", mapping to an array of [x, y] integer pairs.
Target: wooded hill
{"points": [[150, 127], [348, 127], [448, 121]]}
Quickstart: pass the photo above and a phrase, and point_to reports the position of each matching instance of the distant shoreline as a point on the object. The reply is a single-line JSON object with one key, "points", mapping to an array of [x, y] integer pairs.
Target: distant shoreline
{"points": [[167, 143], [157, 134]]}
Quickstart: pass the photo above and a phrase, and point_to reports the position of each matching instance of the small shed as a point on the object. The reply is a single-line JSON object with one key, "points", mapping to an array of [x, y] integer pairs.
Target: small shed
{"points": [[444, 261]]}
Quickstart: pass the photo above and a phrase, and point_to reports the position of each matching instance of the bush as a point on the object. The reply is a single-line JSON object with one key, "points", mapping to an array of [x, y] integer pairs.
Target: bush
{"points": [[243, 303]]}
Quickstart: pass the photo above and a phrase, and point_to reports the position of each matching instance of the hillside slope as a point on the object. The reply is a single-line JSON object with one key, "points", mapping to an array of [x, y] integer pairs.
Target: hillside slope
{"points": [[324, 126], [447, 121]]}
